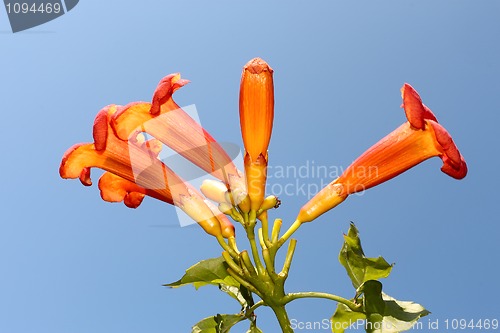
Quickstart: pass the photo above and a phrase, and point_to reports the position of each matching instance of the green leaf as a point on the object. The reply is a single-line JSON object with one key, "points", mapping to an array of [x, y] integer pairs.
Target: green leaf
{"points": [[386, 314], [400, 315], [206, 325], [374, 305], [217, 324], [360, 268], [373, 302], [210, 271], [235, 293], [344, 318], [380, 312], [247, 295]]}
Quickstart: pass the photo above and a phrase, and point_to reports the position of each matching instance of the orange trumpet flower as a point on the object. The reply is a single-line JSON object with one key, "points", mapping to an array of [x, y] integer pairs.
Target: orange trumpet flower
{"points": [[171, 125], [417, 140], [133, 171], [256, 121]]}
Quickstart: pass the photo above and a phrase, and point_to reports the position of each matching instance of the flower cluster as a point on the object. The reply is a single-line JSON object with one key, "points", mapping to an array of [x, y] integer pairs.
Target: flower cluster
{"points": [[134, 170], [132, 166]]}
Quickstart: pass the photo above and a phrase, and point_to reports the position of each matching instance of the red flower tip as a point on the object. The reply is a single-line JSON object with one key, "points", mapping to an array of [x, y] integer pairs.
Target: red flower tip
{"points": [[116, 189], [166, 87], [453, 163], [257, 66], [419, 115], [416, 111], [450, 170], [64, 160], [85, 177], [100, 130]]}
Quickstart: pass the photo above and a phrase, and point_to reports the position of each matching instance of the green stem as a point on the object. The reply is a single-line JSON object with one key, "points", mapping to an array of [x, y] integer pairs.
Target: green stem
{"points": [[269, 264], [226, 247], [282, 316], [261, 239], [232, 243], [275, 233], [242, 281], [292, 296], [245, 218], [289, 232], [288, 258], [235, 215], [248, 263], [255, 252], [230, 262], [255, 306], [265, 229]]}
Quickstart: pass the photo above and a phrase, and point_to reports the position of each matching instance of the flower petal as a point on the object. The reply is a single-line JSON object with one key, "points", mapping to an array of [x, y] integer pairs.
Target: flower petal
{"points": [[116, 189], [163, 93], [131, 161], [453, 162], [446, 142], [100, 130], [416, 111], [450, 170]]}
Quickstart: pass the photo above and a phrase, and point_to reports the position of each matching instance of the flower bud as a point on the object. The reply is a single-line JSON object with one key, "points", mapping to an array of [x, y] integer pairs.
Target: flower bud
{"points": [[256, 120], [194, 206], [256, 106], [225, 208], [329, 197], [214, 190], [226, 226], [269, 202], [241, 199]]}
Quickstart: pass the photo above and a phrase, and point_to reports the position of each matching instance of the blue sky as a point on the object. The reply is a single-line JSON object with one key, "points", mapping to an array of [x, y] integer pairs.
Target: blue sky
{"points": [[73, 263]]}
